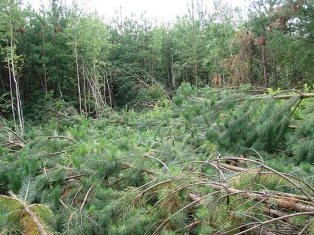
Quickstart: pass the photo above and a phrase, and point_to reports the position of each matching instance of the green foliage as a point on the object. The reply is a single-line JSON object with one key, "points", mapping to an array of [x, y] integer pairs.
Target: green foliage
{"points": [[134, 172], [132, 61], [301, 141], [153, 170]]}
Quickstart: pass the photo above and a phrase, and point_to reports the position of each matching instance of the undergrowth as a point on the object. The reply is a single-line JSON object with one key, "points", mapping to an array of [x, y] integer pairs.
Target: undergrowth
{"points": [[164, 170]]}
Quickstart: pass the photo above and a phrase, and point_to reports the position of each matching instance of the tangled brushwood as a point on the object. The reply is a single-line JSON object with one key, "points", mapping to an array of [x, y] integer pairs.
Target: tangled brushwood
{"points": [[231, 161]]}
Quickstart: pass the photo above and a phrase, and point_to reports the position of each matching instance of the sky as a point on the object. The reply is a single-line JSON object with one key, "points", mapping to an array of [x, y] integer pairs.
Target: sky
{"points": [[161, 10]]}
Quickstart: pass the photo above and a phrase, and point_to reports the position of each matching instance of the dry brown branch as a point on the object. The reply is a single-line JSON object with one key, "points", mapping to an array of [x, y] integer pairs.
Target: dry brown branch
{"points": [[126, 165], [282, 202], [40, 228], [76, 194], [63, 204], [14, 145], [275, 220], [277, 193], [261, 97], [86, 196], [305, 228], [189, 226], [284, 176], [136, 198], [18, 136], [287, 203], [158, 229], [301, 96], [74, 177], [233, 168]]}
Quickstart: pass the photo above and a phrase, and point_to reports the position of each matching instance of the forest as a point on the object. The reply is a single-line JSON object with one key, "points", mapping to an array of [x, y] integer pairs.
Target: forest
{"points": [[203, 125]]}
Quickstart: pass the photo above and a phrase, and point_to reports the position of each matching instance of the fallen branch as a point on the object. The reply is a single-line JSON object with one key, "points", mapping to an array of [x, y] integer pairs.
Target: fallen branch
{"points": [[128, 165], [282, 202], [14, 145], [86, 196], [291, 195], [74, 177], [39, 226], [156, 159], [61, 137], [284, 176], [18, 136], [301, 96], [232, 168], [287, 203], [259, 224], [189, 226]]}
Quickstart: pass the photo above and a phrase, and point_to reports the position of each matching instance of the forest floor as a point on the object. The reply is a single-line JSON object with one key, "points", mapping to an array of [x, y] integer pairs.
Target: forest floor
{"points": [[207, 162]]}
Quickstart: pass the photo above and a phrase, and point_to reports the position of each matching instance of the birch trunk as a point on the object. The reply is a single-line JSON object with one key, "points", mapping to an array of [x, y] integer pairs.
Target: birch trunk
{"points": [[16, 83], [11, 92]]}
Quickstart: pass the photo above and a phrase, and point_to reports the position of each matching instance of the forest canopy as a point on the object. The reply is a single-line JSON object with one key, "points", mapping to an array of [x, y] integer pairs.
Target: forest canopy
{"points": [[63, 52]]}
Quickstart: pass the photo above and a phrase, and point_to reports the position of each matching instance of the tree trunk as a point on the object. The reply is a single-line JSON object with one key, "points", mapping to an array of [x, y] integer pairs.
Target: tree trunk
{"points": [[11, 92], [78, 74], [104, 87], [110, 92], [95, 93], [173, 76], [196, 74], [16, 82], [264, 64], [85, 92], [45, 67]]}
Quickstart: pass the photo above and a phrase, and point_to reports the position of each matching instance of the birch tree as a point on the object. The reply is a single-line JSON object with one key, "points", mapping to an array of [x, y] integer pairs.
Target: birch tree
{"points": [[10, 11]]}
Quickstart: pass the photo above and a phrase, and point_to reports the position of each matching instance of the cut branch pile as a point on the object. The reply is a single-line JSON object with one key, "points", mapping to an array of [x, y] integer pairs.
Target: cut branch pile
{"points": [[162, 172], [279, 208]]}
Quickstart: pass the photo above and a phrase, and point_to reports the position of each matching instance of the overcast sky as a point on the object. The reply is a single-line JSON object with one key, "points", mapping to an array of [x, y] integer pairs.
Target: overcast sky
{"points": [[162, 10]]}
